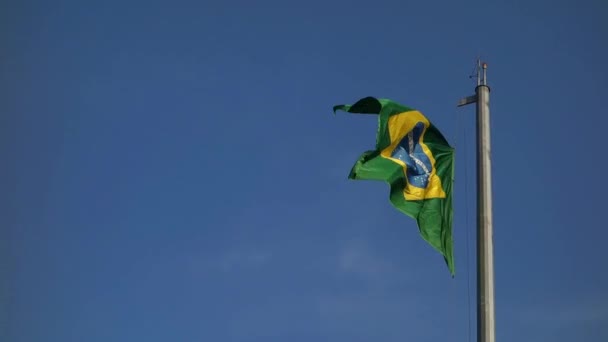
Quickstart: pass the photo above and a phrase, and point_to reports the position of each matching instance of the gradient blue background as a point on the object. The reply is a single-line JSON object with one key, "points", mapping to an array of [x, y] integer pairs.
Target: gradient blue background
{"points": [[172, 171]]}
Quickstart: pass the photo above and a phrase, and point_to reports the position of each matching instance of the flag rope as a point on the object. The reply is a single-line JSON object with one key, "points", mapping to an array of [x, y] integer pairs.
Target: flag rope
{"points": [[461, 145], [466, 220]]}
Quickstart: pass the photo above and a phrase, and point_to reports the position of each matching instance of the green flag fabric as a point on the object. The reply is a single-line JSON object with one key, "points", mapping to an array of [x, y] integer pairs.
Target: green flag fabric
{"points": [[414, 158]]}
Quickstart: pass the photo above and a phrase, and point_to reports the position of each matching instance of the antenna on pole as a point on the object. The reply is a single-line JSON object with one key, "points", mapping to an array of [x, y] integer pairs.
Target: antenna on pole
{"points": [[478, 72]]}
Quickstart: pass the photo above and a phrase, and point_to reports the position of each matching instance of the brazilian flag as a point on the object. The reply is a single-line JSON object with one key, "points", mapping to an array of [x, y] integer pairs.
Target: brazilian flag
{"points": [[414, 158]]}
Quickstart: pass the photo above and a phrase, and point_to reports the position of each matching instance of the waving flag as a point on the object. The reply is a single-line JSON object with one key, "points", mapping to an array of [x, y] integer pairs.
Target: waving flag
{"points": [[414, 158]]}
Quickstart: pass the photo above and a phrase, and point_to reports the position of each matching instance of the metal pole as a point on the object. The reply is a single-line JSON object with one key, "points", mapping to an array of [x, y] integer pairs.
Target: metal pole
{"points": [[485, 248]]}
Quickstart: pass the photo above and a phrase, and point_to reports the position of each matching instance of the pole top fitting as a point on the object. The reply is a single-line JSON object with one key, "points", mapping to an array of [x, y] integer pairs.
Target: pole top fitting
{"points": [[482, 79]]}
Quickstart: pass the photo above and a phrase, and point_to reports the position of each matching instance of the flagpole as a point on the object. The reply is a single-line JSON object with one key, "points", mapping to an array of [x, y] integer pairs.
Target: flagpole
{"points": [[485, 248]]}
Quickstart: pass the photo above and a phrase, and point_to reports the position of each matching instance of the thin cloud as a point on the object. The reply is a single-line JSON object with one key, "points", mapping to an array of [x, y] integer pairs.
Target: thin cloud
{"points": [[357, 258], [231, 260], [582, 310], [243, 259]]}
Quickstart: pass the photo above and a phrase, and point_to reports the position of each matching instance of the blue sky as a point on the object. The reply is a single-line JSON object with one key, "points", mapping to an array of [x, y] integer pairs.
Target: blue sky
{"points": [[172, 171]]}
